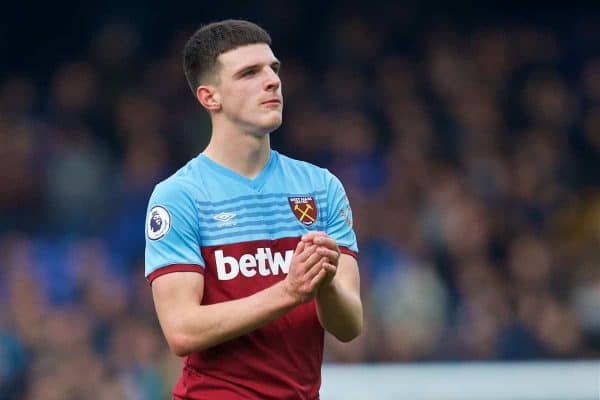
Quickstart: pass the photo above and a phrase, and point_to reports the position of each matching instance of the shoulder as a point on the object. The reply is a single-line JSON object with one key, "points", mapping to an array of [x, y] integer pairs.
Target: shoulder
{"points": [[289, 164], [183, 185], [294, 169]]}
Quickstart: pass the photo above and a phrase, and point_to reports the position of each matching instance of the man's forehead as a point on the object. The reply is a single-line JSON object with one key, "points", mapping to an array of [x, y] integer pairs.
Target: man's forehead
{"points": [[243, 56]]}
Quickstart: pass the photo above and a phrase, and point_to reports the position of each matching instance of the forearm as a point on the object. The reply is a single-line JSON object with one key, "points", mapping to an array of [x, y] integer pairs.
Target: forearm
{"points": [[203, 326], [340, 311]]}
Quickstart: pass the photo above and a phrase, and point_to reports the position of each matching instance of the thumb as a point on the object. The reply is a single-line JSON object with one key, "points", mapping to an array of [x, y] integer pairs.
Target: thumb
{"points": [[300, 247]]}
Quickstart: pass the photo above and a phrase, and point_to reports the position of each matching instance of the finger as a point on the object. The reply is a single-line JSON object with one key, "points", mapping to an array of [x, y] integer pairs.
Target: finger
{"points": [[329, 267], [332, 255], [307, 251], [314, 270], [311, 262], [300, 247], [310, 236], [318, 278], [327, 242]]}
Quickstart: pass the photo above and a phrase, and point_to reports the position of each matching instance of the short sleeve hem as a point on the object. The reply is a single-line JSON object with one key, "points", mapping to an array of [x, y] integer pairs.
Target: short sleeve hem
{"points": [[174, 268], [346, 250]]}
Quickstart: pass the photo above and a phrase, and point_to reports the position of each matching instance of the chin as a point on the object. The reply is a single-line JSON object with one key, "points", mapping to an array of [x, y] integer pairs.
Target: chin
{"points": [[272, 124]]}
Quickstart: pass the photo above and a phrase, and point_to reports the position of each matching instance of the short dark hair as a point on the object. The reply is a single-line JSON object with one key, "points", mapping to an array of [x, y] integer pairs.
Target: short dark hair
{"points": [[207, 43]]}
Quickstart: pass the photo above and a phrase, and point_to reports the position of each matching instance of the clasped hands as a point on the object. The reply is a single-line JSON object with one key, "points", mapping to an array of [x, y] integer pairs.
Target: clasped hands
{"points": [[314, 265]]}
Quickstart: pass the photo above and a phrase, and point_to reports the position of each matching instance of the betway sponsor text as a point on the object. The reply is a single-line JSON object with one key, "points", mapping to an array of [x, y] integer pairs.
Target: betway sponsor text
{"points": [[264, 263]]}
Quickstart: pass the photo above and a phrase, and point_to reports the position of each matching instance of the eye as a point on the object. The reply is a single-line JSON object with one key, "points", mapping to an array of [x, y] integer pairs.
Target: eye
{"points": [[249, 73], [276, 68]]}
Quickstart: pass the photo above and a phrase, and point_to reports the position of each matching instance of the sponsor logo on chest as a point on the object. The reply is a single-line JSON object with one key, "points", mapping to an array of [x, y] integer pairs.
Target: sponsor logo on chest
{"points": [[264, 262]]}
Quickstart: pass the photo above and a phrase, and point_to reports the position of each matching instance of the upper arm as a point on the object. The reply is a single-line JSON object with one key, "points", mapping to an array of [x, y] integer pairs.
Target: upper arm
{"points": [[340, 228], [339, 220], [172, 236], [347, 273], [175, 295]]}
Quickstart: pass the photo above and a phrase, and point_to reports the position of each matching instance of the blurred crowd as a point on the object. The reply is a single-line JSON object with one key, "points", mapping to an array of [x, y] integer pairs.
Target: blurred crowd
{"points": [[470, 155]]}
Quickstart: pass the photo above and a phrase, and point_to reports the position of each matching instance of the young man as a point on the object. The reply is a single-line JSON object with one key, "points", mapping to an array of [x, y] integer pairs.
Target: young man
{"points": [[250, 254]]}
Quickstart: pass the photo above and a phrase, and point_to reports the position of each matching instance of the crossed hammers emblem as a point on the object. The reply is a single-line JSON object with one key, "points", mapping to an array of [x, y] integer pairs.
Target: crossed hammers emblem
{"points": [[304, 213]]}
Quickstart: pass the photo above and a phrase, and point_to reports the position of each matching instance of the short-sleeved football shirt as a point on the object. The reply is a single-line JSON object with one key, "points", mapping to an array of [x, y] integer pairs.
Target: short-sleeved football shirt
{"points": [[241, 234]]}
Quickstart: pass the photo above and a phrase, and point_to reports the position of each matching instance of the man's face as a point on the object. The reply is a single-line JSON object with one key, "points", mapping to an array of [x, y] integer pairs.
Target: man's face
{"points": [[250, 88]]}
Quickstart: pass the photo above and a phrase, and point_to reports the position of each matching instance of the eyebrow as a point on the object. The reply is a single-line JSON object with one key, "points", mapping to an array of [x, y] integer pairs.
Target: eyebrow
{"points": [[240, 72]]}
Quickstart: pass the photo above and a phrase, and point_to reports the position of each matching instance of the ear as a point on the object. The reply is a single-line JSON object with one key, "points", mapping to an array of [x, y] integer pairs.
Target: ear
{"points": [[208, 97]]}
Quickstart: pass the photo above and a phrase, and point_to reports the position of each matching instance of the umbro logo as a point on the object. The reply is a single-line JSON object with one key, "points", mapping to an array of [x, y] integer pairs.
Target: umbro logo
{"points": [[225, 218]]}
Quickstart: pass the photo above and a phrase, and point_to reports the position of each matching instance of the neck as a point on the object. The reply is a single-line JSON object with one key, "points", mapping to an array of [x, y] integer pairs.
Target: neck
{"points": [[242, 152]]}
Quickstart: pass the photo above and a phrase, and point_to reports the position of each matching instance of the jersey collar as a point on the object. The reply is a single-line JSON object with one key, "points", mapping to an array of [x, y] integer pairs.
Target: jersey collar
{"points": [[255, 183]]}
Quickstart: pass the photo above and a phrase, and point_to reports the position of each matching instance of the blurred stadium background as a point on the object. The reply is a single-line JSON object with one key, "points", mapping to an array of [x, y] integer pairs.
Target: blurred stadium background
{"points": [[468, 138]]}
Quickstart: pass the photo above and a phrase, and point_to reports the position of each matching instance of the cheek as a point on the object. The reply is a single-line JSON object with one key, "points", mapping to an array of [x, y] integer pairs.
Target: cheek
{"points": [[230, 103], [236, 101], [237, 106]]}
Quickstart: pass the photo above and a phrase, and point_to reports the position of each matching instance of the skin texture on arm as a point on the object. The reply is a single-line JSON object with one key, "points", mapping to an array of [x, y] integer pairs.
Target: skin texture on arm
{"points": [[190, 326], [339, 306]]}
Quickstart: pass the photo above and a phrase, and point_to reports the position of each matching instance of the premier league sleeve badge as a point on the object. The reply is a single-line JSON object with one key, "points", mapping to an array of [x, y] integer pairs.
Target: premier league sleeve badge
{"points": [[159, 223]]}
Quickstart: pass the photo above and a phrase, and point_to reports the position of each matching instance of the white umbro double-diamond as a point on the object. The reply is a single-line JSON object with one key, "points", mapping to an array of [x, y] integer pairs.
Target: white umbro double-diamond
{"points": [[224, 218]]}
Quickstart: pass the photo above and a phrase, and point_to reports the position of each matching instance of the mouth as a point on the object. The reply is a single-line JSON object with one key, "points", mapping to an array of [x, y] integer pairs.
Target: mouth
{"points": [[272, 102]]}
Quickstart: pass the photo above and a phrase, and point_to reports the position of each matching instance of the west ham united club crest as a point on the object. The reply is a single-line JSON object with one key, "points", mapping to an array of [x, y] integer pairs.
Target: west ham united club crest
{"points": [[304, 208]]}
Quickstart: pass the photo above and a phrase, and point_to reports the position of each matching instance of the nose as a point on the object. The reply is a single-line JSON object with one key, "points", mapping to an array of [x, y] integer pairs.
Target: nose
{"points": [[272, 82]]}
